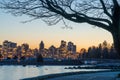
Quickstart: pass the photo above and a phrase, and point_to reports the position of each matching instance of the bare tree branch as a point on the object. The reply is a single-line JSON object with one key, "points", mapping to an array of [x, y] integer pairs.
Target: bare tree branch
{"points": [[95, 12], [102, 13], [115, 2], [105, 10]]}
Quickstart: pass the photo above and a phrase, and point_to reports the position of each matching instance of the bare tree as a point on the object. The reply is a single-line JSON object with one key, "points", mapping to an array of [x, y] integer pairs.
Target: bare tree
{"points": [[101, 13]]}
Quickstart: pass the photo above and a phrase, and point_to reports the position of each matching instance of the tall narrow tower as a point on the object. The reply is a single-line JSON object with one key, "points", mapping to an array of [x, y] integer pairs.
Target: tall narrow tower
{"points": [[41, 46]]}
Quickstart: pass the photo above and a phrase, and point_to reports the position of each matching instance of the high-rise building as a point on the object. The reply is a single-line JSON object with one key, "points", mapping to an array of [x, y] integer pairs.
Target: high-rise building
{"points": [[63, 44], [74, 48], [52, 50], [25, 46], [9, 44], [0, 48], [5, 44], [63, 47], [71, 47], [41, 46]]}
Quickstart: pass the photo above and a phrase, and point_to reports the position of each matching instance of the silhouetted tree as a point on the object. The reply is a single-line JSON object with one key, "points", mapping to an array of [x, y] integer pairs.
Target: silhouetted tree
{"points": [[89, 52], [103, 51], [39, 58], [15, 57], [98, 54], [8, 58], [1, 56], [100, 50], [105, 44], [83, 51], [113, 54], [22, 58], [101, 13], [93, 52]]}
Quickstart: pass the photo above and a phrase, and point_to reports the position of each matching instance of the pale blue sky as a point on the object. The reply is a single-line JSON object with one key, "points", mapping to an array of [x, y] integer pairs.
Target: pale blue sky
{"points": [[83, 35]]}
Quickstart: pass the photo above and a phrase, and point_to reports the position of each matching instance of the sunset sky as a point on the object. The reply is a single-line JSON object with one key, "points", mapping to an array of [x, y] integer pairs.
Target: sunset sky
{"points": [[83, 35]]}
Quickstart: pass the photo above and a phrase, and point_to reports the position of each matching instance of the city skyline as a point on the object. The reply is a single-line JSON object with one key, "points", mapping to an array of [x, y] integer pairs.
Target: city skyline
{"points": [[83, 35], [11, 44]]}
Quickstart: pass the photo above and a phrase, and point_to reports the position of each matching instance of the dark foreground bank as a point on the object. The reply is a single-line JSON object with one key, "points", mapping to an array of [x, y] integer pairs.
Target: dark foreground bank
{"points": [[67, 74]]}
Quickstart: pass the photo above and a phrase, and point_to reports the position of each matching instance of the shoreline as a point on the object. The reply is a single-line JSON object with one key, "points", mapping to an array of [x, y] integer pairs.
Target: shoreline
{"points": [[50, 76], [68, 65], [33, 62]]}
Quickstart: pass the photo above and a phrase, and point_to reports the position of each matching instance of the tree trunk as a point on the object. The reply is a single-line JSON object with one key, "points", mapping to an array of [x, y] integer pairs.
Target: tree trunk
{"points": [[116, 28], [116, 41]]}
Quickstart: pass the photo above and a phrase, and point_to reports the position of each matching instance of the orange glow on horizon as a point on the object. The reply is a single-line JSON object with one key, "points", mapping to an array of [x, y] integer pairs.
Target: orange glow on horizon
{"points": [[78, 46]]}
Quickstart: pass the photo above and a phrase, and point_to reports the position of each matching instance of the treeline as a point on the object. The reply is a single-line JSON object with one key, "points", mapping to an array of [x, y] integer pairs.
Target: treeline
{"points": [[102, 51]]}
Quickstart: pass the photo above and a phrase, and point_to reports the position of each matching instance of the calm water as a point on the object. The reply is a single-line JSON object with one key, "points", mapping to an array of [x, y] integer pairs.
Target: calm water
{"points": [[20, 72]]}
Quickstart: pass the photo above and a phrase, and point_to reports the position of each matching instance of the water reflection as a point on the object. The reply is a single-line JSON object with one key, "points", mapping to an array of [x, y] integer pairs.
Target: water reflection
{"points": [[20, 72]]}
